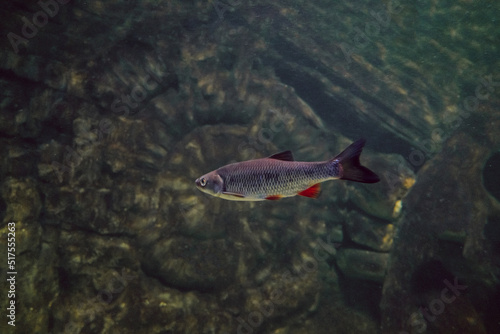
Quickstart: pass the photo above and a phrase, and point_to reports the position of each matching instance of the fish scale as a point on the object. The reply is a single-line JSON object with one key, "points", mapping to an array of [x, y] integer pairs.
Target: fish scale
{"points": [[268, 177], [280, 176]]}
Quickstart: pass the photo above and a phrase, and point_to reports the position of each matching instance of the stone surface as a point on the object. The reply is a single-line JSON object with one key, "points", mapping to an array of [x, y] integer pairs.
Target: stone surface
{"points": [[112, 109], [384, 200], [361, 264], [457, 206], [371, 233]]}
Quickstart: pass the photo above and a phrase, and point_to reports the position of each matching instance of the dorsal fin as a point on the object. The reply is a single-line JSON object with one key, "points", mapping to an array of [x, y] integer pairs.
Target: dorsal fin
{"points": [[285, 156]]}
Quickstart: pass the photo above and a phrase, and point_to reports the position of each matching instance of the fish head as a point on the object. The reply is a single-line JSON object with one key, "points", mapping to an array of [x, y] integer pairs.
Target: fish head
{"points": [[210, 183]]}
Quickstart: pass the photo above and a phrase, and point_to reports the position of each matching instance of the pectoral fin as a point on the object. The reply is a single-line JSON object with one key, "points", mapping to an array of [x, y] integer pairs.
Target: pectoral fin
{"points": [[233, 194]]}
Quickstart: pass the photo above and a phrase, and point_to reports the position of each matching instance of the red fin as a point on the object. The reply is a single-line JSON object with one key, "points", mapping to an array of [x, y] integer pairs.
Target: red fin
{"points": [[312, 191], [274, 197]]}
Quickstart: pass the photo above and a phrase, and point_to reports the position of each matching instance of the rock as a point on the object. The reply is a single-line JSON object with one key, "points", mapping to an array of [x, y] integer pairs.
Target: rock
{"points": [[191, 264], [22, 201], [438, 210], [35, 260], [361, 264], [341, 319], [110, 110], [384, 199], [337, 235], [370, 232]]}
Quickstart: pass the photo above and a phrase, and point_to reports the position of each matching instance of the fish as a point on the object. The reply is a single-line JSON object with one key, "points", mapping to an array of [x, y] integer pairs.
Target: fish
{"points": [[279, 176]]}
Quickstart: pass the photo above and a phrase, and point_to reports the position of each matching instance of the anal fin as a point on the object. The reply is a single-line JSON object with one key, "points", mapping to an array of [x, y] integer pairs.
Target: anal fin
{"points": [[312, 192]]}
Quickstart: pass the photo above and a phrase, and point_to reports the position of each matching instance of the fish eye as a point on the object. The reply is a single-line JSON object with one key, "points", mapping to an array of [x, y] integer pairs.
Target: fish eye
{"points": [[203, 182]]}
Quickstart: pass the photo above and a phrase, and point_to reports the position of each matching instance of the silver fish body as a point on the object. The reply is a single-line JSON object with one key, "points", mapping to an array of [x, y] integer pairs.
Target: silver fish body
{"points": [[280, 176], [261, 178]]}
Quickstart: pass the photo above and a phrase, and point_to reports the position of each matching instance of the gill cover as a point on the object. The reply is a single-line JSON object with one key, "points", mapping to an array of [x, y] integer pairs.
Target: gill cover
{"points": [[211, 183], [217, 184]]}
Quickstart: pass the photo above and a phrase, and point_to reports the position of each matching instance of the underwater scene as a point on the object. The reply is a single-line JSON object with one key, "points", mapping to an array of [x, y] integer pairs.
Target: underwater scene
{"points": [[250, 167]]}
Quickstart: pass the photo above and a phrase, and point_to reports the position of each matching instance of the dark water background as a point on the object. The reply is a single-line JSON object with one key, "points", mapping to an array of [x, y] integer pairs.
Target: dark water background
{"points": [[111, 109]]}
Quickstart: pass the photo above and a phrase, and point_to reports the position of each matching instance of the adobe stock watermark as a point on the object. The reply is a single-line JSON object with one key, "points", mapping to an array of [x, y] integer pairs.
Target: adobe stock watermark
{"points": [[223, 6], [429, 147], [96, 305], [380, 21], [436, 307], [254, 319], [468, 105], [122, 106], [29, 29]]}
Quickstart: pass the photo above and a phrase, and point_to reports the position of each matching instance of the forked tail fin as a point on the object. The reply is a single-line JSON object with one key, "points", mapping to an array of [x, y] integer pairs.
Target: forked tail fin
{"points": [[351, 168]]}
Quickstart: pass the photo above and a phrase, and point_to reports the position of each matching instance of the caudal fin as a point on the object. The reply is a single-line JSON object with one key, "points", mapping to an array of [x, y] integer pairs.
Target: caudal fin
{"points": [[351, 167]]}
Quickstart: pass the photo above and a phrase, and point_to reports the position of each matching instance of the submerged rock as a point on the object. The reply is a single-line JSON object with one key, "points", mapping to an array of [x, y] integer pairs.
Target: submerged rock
{"points": [[457, 206], [383, 200], [193, 264], [370, 232], [112, 109], [361, 264]]}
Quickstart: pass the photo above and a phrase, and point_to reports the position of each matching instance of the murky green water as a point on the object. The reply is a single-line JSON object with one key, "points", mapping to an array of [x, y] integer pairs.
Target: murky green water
{"points": [[111, 109]]}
